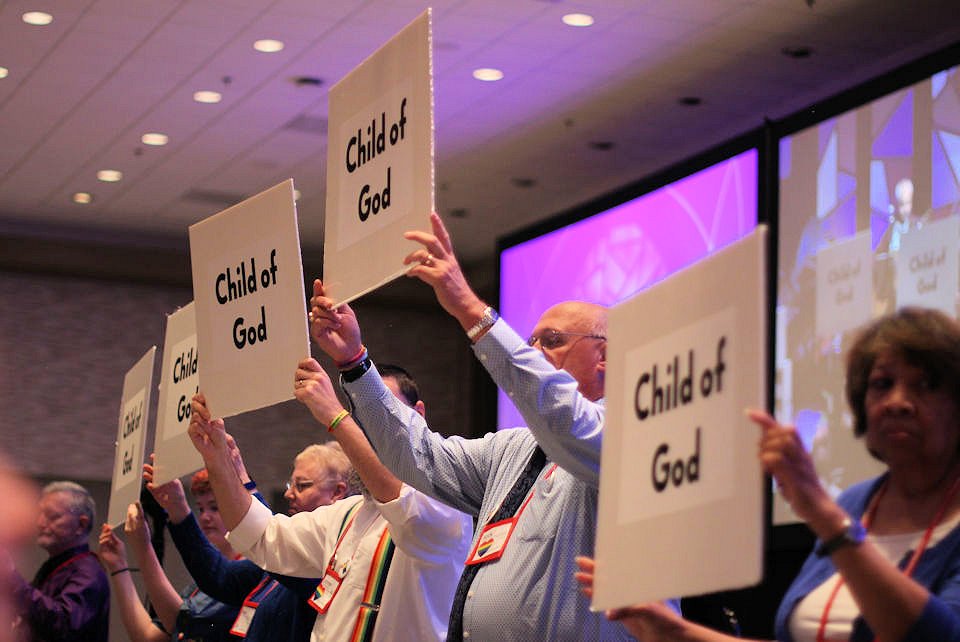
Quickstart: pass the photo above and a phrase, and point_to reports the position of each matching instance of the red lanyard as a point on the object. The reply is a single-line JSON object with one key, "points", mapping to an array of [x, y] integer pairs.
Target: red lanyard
{"points": [[68, 562], [911, 565]]}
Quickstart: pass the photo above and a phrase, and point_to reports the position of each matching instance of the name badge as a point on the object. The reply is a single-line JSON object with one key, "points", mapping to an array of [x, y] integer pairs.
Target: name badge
{"points": [[326, 590], [492, 542], [242, 624]]}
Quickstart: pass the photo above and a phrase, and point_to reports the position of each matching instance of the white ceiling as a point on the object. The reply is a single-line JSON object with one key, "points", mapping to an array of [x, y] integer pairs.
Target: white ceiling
{"points": [[82, 90]]}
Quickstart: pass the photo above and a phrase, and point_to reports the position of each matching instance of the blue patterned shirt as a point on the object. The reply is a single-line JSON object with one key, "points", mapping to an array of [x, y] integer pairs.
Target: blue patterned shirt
{"points": [[529, 593]]}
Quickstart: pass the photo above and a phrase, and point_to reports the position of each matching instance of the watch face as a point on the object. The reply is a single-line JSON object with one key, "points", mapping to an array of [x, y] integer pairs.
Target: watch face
{"points": [[856, 533]]}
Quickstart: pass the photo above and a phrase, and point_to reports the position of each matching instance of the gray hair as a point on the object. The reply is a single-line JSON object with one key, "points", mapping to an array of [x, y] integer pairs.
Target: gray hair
{"points": [[81, 501], [333, 462]]}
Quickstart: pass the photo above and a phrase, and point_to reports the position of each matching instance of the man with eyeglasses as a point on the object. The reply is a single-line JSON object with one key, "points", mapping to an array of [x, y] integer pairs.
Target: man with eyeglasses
{"points": [[389, 559], [533, 491], [321, 476]]}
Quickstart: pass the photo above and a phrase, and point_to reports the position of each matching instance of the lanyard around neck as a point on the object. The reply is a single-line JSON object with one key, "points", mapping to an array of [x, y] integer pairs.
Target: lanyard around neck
{"points": [[914, 559]]}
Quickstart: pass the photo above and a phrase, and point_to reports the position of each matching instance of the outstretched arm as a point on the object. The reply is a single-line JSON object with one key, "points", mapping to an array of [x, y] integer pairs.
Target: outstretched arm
{"points": [[653, 622], [211, 440], [163, 596], [567, 425], [135, 618], [436, 265], [227, 581], [889, 601], [314, 390]]}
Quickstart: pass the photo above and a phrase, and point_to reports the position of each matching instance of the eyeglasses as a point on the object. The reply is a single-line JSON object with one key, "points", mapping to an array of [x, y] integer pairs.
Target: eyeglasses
{"points": [[552, 339], [300, 486]]}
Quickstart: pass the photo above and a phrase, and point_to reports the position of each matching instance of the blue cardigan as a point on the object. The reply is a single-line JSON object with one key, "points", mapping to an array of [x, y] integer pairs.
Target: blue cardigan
{"points": [[938, 570], [283, 612]]}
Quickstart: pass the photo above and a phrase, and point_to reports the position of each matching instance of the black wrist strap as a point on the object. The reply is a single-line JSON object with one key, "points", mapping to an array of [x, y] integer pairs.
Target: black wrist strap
{"points": [[357, 371]]}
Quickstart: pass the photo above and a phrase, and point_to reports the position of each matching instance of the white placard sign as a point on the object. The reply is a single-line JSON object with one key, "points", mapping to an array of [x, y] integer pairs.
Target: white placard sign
{"points": [[131, 438], [927, 265], [250, 305], [379, 163], [844, 285], [680, 479], [179, 381]]}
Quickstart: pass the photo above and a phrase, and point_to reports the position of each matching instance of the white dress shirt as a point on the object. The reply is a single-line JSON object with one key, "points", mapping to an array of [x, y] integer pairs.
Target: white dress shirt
{"points": [[432, 541]]}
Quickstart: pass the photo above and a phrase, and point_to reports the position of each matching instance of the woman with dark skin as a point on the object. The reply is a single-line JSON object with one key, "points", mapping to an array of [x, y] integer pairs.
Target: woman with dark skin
{"points": [[903, 581]]}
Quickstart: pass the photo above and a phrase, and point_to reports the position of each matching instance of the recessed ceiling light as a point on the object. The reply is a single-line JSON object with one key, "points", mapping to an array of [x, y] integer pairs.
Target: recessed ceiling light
{"points": [[602, 145], [82, 198], [487, 74], [209, 97], [307, 81], [4, 72], [797, 52], [109, 175], [578, 20], [37, 18], [154, 138], [268, 45], [523, 182]]}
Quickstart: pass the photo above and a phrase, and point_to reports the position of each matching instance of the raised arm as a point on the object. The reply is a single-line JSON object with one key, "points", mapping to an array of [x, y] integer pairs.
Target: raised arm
{"points": [[567, 425], [314, 390], [210, 439], [163, 596], [136, 620], [891, 603], [453, 470], [227, 581]]}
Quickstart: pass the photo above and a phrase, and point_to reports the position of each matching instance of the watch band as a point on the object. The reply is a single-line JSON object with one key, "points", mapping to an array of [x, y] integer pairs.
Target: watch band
{"points": [[356, 371], [853, 534], [487, 319]]}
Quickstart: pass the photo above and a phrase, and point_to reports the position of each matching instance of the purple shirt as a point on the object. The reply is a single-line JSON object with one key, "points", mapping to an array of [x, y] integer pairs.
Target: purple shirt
{"points": [[68, 600]]}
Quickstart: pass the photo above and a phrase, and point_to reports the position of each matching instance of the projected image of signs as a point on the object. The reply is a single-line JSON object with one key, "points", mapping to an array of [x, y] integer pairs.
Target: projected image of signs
{"points": [[844, 282], [868, 199]]}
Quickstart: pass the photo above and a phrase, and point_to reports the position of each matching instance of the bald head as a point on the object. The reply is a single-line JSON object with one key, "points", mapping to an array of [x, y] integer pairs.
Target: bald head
{"points": [[580, 347]]}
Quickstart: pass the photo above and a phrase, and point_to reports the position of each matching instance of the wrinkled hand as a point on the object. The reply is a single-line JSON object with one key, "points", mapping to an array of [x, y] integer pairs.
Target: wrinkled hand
{"points": [[782, 455], [652, 621], [112, 552], [208, 435], [334, 330], [437, 266], [136, 529], [170, 496], [313, 388]]}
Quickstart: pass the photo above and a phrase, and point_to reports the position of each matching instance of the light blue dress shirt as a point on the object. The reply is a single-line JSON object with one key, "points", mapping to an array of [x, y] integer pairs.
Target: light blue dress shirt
{"points": [[529, 593]]}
